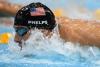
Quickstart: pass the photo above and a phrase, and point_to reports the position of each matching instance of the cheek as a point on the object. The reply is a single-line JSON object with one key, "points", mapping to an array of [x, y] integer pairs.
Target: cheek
{"points": [[25, 37]]}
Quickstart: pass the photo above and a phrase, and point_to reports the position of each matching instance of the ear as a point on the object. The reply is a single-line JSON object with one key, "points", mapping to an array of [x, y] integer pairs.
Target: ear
{"points": [[47, 33]]}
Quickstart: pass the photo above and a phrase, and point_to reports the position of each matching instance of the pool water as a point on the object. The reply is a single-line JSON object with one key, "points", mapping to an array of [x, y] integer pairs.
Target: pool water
{"points": [[47, 53]]}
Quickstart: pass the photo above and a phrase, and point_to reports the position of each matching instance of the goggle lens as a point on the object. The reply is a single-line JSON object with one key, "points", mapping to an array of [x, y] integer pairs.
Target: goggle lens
{"points": [[21, 31]]}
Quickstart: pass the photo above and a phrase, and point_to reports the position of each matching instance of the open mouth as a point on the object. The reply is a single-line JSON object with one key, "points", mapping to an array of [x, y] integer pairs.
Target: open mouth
{"points": [[21, 44]]}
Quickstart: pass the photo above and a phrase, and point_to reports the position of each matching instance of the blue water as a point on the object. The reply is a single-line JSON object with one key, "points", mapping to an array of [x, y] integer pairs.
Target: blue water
{"points": [[79, 57]]}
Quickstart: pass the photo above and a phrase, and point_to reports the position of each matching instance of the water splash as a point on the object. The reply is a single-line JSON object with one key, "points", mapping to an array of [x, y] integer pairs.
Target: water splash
{"points": [[40, 50], [37, 44]]}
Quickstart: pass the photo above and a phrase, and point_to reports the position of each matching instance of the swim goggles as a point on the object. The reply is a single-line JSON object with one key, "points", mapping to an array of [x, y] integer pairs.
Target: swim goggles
{"points": [[21, 30]]}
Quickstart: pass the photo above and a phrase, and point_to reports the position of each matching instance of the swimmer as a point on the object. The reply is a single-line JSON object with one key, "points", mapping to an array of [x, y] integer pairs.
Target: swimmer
{"points": [[74, 30], [33, 16]]}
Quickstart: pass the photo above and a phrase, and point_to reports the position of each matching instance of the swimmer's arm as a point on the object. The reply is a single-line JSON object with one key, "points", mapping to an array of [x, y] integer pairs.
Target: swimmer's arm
{"points": [[80, 31], [9, 8]]}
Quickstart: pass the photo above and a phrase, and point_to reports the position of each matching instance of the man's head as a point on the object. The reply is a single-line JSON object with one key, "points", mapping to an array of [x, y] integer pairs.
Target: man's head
{"points": [[30, 17]]}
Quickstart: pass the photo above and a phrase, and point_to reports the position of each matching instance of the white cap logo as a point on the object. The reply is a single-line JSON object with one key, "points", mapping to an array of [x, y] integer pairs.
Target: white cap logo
{"points": [[38, 22]]}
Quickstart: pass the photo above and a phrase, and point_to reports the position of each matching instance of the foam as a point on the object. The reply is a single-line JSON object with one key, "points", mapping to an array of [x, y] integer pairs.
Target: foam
{"points": [[37, 44]]}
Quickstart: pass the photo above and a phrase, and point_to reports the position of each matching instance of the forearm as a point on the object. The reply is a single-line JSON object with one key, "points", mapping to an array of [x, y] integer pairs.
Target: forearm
{"points": [[9, 8]]}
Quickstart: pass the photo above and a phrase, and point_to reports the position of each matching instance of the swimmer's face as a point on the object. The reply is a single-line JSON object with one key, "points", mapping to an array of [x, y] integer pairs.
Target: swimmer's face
{"points": [[19, 36], [22, 33]]}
